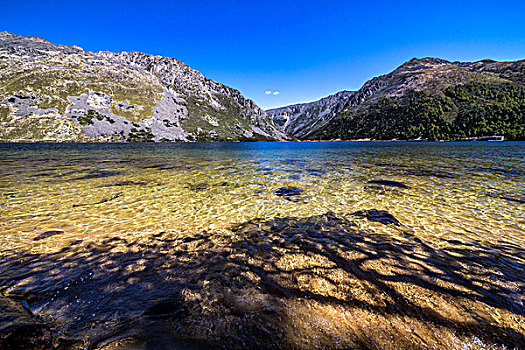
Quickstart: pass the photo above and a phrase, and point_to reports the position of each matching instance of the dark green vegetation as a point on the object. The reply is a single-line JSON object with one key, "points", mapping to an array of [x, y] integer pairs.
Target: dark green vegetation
{"points": [[140, 135], [434, 99], [464, 110], [88, 118], [428, 98]]}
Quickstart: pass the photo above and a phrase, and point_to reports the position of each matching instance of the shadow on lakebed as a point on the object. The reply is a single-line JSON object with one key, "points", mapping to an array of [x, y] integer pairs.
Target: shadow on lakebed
{"points": [[311, 282]]}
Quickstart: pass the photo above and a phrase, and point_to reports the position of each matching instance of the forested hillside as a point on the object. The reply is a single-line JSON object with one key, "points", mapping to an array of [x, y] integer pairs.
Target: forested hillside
{"points": [[469, 110]]}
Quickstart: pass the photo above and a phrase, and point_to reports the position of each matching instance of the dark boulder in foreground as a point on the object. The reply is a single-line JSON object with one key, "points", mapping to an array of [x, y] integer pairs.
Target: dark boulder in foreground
{"points": [[381, 216], [388, 183], [20, 329]]}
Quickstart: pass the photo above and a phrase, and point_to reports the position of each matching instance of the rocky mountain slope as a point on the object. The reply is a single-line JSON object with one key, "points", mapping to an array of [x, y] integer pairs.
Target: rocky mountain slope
{"points": [[425, 98], [298, 120], [58, 93]]}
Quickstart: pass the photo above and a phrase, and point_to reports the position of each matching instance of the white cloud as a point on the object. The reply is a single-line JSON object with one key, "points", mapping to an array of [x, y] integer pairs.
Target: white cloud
{"points": [[268, 92], [275, 93]]}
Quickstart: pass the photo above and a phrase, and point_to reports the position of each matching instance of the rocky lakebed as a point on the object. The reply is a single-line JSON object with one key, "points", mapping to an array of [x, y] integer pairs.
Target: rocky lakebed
{"points": [[262, 246]]}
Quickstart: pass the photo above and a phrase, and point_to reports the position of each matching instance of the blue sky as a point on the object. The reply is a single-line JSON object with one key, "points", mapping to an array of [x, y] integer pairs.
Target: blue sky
{"points": [[305, 50]]}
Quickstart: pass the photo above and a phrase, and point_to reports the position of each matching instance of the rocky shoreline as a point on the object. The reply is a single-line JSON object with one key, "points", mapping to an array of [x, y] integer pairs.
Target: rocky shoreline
{"points": [[20, 329]]}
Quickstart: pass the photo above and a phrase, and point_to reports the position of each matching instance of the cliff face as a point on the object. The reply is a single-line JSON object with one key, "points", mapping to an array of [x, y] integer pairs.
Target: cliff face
{"points": [[58, 93], [423, 98], [300, 119]]}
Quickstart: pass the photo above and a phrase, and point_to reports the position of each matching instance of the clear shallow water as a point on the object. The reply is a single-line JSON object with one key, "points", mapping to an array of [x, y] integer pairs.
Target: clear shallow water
{"points": [[139, 217]]}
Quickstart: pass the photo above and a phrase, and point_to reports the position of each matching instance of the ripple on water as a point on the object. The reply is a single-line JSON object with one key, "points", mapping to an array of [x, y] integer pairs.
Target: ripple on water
{"points": [[269, 244]]}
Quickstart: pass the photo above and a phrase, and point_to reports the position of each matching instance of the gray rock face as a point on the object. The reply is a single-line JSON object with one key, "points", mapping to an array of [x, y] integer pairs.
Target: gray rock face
{"points": [[301, 119], [58, 93]]}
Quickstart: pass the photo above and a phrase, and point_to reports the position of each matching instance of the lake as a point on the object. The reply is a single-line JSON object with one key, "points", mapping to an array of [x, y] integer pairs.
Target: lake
{"points": [[272, 245]]}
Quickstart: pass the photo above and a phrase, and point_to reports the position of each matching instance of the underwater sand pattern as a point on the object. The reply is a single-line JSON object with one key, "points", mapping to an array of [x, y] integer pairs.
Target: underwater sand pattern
{"points": [[267, 245]]}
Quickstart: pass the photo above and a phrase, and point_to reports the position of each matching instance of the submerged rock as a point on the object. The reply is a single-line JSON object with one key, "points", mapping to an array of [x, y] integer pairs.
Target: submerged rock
{"points": [[198, 186], [96, 174], [127, 183], [381, 216], [317, 172], [20, 329], [173, 309], [520, 199], [290, 193], [389, 183], [47, 234]]}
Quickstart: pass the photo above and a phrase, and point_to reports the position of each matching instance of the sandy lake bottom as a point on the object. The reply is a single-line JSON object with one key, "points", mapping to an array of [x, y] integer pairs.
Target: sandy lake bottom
{"points": [[267, 245]]}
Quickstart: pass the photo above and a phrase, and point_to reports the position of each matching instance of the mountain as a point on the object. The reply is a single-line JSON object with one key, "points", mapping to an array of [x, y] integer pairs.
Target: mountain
{"points": [[427, 98], [300, 119], [59, 93]]}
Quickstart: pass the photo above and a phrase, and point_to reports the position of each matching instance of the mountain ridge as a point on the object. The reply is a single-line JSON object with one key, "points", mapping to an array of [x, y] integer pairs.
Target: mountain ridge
{"points": [[424, 76], [52, 92]]}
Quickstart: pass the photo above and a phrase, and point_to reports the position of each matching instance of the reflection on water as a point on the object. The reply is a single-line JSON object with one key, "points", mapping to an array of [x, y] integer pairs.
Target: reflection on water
{"points": [[334, 245]]}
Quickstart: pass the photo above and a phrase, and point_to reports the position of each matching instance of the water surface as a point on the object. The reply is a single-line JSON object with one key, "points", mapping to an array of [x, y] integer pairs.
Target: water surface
{"points": [[344, 244]]}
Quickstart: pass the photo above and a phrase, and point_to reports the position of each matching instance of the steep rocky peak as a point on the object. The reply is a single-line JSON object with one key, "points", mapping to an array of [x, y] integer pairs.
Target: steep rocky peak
{"points": [[422, 63], [158, 64], [37, 38], [5, 34], [32, 46], [166, 99], [173, 72]]}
